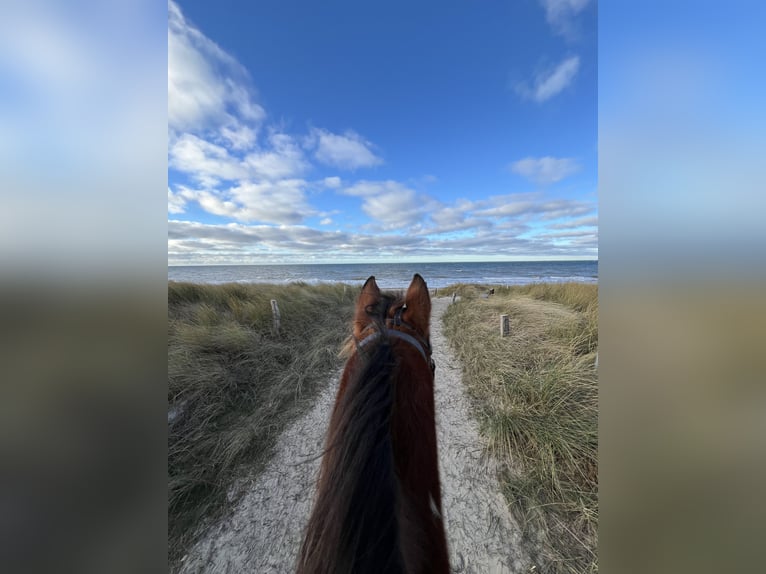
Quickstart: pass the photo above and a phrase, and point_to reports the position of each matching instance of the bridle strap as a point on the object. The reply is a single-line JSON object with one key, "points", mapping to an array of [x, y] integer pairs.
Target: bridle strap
{"points": [[396, 335]]}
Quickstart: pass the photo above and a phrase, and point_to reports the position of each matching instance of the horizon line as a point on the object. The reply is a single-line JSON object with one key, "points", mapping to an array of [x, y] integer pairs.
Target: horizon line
{"points": [[383, 262]]}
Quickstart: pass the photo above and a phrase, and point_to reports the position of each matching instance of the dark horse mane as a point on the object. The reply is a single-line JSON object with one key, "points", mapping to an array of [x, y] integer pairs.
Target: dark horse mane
{"points": [[378, 502], [355, 513]]}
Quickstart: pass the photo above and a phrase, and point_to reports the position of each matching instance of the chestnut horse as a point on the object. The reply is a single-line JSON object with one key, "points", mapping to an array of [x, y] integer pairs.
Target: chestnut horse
{"points": [[378, 501]]}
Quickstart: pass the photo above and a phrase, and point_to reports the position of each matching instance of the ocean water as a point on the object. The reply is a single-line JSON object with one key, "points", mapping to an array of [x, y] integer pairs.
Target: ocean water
{"points": [[394, 275]]}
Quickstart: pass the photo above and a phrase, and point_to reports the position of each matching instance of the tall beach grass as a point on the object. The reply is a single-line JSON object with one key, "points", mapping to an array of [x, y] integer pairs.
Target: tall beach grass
{"points": [[536, 396], [234, 383]]}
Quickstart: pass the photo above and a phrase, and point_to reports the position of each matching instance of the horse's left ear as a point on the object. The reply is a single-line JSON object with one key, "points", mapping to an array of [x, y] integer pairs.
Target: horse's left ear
{"points": [[418, 311], [368, 299]]}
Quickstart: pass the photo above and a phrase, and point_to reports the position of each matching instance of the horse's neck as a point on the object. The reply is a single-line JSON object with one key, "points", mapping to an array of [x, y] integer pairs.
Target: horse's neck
{"points": [[353, 527]]}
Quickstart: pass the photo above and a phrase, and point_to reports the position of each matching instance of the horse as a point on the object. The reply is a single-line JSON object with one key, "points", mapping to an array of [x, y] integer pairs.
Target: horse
{"points": [[377, 506]]}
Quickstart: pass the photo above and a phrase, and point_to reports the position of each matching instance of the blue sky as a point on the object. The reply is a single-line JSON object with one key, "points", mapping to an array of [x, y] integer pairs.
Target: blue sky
{"points": [[348, 132]]}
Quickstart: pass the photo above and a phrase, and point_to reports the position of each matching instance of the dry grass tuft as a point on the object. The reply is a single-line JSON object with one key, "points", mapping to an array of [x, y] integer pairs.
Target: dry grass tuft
{"points": [[536, 394], [234, 384]]}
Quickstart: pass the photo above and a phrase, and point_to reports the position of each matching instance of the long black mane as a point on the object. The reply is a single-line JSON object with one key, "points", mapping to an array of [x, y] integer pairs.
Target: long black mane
{"points": [[354, 527]]}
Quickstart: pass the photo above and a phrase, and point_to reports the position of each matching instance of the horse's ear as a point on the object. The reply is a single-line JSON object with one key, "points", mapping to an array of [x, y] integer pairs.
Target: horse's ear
{"points": [[418, 311], [369, 297]]}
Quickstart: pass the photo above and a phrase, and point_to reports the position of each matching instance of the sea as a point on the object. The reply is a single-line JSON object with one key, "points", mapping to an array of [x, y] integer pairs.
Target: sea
{"points": [[394, 275]]}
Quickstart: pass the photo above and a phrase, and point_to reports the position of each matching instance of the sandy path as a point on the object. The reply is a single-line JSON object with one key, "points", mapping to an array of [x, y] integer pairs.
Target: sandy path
{"points": [[482, 534], [263, 533]]}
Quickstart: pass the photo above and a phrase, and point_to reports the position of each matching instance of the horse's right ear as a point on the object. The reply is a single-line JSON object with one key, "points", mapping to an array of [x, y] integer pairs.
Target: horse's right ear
{"points": [[418, 311], [369, 298]]}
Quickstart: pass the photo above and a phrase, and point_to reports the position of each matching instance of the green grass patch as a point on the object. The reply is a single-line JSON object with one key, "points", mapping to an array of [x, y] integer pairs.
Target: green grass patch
{"points": [[234, 384], [536, 395]]}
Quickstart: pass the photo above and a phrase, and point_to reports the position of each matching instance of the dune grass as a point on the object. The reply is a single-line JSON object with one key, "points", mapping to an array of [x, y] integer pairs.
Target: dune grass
{"points": [[536, 396], [233, 384]]}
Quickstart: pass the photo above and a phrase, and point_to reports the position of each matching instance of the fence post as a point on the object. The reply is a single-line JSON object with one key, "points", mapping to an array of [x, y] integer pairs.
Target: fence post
{"points": [[277, 317], [454, 294], [505, 325]]}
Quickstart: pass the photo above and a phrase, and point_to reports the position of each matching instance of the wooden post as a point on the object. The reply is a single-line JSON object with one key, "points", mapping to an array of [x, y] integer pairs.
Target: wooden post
{"points": [[454, 294], [277, 317], [505, 325]]}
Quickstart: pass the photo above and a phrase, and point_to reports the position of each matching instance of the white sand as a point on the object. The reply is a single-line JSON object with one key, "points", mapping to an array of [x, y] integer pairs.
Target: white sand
{"points": [[263, 532]]}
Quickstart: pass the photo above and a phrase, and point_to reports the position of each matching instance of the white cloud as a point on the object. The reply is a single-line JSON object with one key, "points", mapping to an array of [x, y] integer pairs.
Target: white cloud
{"points": [[568, 234], [551, 82], [591, 221], [561, 208], [394, 209], [561, 14], [394, 206], [284, 160], [510, 208], [273, 165], [238, 137], [332, 182], [176, 203], [214, 126], [347, 151], [207, 88], [532, 207], [206, 162], [448, 216], [326, 221], [466, 224], [369, 188], [389, 202], [282, 202], [539, 210], [210, 163], [545, 170]]}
